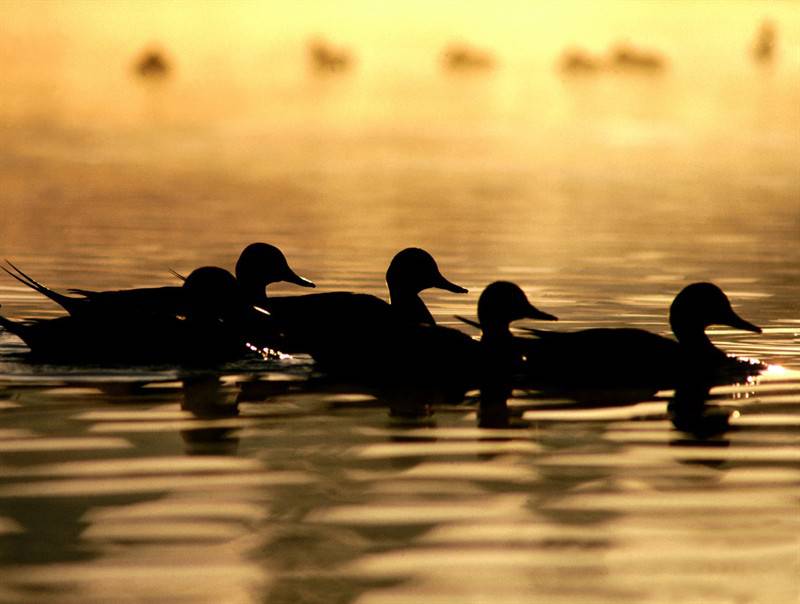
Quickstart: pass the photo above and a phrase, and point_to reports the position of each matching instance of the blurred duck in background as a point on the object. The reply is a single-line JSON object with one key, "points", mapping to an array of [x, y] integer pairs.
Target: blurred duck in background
{"points": [[153, 64], [763, 49], [325, 57], [459, 56]]}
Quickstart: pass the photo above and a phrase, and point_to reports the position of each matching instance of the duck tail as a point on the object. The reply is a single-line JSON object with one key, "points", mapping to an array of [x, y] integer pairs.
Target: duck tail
{"points": [[64, 301], [176, 274]]}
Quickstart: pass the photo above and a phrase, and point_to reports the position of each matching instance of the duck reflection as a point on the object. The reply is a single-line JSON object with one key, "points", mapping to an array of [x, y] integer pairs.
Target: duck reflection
{"points": [[207, 398], [690, 412]]}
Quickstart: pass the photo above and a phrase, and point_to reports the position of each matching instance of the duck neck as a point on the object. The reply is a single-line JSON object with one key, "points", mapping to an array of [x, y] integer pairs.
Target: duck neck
{"points": [[692, 336], [496, 336], [410, 307], [254, 292]]}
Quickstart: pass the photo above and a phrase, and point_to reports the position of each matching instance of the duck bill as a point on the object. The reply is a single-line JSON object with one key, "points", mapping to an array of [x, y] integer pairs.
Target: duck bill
{"points": [[442, 283], [535, 313], [292, 277], [735, 321]]}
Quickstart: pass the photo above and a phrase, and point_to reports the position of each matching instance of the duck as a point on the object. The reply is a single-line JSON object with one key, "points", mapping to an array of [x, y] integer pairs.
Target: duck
{"points": [[433, 358], [258, 265], [212, 327], [501, 358], [329, 325], [629, 356]]}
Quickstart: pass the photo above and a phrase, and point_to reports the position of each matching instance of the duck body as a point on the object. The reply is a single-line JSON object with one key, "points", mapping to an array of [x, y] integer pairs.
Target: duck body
{"points": [[152, 340], [612, 357], [337, 325], [214, 329], [330, 325], [363, 338], [150, 300], [424, 361], [258, 265]]}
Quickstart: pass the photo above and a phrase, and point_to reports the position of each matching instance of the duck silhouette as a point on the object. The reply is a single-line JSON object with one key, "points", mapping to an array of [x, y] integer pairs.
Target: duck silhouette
{"points": [[337, 323], [501, 357], [212, 327], [443, 359], [628, 356], [258, 265]]}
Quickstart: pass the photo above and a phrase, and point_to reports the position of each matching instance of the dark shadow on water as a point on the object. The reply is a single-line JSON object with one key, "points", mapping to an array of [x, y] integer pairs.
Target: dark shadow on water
{"points": [[208, 399], [689, 411]]}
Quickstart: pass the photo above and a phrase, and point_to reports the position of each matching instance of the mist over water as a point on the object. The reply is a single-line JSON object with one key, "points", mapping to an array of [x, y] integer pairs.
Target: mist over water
{"points": [[602, 194]]}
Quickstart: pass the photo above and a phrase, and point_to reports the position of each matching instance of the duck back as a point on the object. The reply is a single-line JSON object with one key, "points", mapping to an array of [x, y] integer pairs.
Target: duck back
{"points": [[167, 299]]}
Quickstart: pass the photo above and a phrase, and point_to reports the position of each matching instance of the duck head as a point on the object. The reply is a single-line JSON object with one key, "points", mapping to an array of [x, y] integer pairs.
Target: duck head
{"points": [[211, 293], [261, 264], [700, 305], [413, 270], [503, 302]]}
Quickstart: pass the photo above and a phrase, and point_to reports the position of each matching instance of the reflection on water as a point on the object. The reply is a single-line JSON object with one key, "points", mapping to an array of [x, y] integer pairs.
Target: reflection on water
{"points": [[297, 497], [602, 196]]}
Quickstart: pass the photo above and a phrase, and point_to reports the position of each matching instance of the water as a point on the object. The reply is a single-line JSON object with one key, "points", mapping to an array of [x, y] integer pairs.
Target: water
{"points": [[601, 195]]}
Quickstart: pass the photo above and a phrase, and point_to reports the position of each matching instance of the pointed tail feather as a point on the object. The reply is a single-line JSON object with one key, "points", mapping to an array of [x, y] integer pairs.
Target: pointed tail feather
{"points": [[64, 301], [177, 274]]}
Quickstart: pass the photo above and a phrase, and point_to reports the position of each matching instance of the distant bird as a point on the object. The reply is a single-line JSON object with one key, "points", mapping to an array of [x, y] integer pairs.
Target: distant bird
{"points": [[331, 325], [259, 265], [212, 327], [326, 57], [153, 64], [634, 357], [576, 60], [764, 45], [460, 56], [627, 56]]}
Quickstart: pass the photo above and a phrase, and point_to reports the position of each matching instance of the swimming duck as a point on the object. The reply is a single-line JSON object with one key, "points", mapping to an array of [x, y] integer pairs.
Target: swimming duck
{"points": [[338, 323], [443, 359], [259, 265], [212, 327], [617, 356], [502, 353]]}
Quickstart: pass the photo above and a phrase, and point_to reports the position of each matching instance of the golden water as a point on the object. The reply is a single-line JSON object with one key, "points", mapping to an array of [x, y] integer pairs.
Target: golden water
{"points": [[601, 194]]}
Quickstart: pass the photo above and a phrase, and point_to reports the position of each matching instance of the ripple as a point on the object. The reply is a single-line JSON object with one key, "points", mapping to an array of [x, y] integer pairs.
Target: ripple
{"points": [[129, 485], [28, 445]]}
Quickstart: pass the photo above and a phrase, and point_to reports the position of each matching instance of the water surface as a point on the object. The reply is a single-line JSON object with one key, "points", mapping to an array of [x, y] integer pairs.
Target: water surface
{"points": [[601, 195]]}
